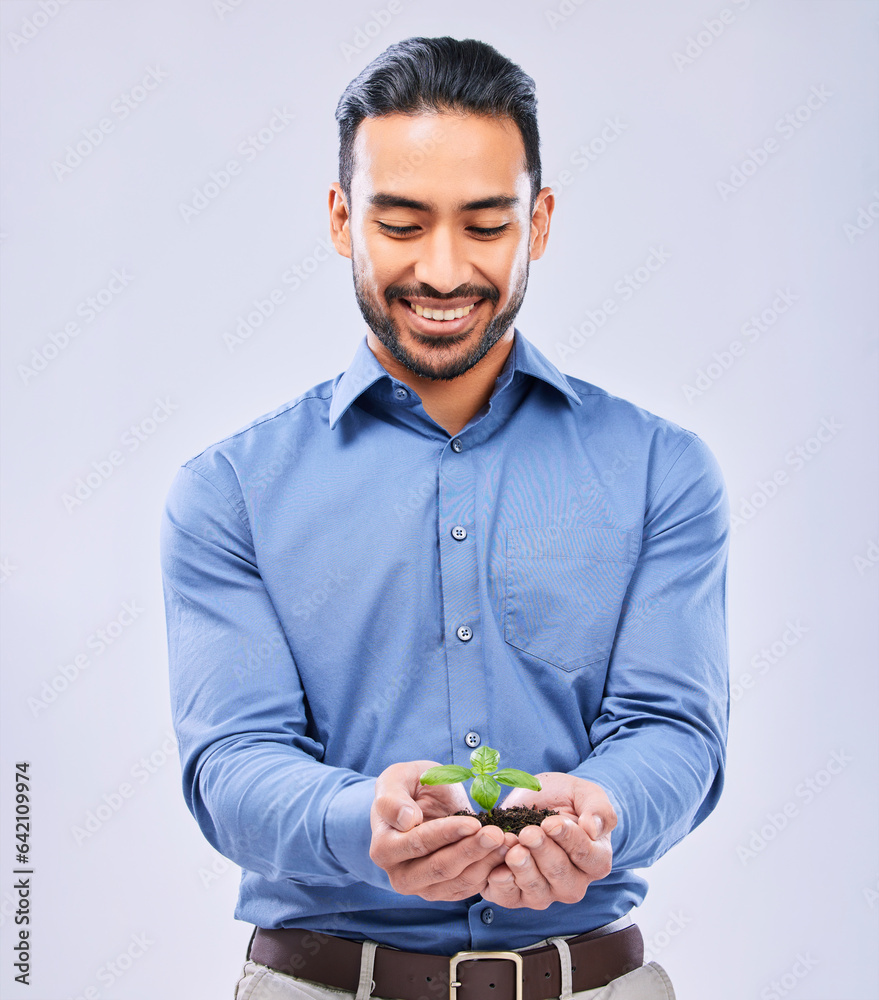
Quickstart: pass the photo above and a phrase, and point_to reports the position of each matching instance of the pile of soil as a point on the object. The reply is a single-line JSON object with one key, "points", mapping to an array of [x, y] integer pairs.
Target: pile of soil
{"points": [[511, 820]]}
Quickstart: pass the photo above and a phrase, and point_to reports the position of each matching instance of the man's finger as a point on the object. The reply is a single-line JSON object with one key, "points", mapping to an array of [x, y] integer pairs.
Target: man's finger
{"points": [[449, 872], [395, 847], [452, 872], [399, 811], [575, 842], [395, 790]]}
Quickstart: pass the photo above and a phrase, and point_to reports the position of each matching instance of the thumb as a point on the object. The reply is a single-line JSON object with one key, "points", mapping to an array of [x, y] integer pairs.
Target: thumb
{"points": [[394, 800]]}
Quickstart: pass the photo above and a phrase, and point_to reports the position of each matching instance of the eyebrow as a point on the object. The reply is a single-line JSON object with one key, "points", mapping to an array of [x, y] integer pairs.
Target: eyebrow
{"points": [[382, 200]]}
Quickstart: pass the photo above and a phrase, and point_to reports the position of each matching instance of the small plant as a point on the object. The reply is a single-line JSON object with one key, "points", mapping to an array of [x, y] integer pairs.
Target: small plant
{"points": [[487, 779]]}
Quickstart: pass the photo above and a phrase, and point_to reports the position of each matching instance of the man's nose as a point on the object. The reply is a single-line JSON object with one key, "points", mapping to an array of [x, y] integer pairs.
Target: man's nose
{"points": [[443, 262]]}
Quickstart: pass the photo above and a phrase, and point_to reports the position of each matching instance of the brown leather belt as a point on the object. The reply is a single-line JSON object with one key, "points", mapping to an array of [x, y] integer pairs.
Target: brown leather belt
{"points": [[597, 958]]}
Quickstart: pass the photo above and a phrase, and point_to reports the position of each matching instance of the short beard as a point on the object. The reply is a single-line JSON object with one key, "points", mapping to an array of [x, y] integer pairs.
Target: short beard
{"points": [[382, 326]]}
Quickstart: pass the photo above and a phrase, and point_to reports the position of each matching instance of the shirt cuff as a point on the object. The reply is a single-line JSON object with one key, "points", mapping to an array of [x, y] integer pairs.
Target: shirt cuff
{"points": [[349, 833]]}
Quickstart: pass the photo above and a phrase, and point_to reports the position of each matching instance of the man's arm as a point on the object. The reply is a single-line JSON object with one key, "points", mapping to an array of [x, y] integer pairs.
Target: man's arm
{"points": [[659, 741], [252, 777], [660, 738]]}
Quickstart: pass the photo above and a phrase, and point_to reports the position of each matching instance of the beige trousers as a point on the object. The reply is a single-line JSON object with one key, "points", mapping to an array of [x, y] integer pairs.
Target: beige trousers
{"points": [[650, 982]]}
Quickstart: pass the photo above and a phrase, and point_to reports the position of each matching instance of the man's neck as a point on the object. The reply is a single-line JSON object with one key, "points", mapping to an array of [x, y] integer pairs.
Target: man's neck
{"points": [[454, 402]]}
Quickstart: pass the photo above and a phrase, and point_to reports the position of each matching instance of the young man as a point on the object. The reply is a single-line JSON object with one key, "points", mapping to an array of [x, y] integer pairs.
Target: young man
{"points": [[450, 545]]}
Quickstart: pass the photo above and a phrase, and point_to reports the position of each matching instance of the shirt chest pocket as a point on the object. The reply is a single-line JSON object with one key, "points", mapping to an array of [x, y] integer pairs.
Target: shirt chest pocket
{"points": [[564, 590]]}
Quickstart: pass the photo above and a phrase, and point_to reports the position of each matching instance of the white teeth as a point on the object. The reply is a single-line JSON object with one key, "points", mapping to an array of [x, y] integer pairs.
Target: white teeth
{"points": [[442, 314]]}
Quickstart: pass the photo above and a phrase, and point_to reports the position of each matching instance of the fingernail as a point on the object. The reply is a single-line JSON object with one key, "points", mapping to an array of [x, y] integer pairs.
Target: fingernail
{"points": [[503, 851], [599, 825], [405, 817], [486, 841], [464, 831], [539, 843], [520, 863], [557, 831]]}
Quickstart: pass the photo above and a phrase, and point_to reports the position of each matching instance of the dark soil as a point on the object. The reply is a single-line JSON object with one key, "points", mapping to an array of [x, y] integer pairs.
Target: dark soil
{"points": [[511, 820]]}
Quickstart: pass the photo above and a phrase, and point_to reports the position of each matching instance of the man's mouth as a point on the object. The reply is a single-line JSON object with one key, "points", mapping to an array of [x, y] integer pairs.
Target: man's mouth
{"points": [[442, 313]]}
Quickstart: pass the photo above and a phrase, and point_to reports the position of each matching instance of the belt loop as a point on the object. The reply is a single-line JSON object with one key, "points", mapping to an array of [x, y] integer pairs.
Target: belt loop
{"points": [[367, 963], [567, 992]]}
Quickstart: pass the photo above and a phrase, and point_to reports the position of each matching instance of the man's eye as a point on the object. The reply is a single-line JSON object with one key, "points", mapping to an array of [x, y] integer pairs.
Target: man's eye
{"points": [[397, 230], [482, 232], [493, 231]]}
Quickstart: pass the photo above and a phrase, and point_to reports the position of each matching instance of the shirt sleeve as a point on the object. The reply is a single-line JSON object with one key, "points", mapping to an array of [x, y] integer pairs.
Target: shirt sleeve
{"points": [[660, 737], [252, 776]]}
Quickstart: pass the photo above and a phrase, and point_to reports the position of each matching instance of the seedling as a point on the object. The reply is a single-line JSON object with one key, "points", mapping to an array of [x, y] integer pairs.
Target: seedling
{"points": [[487, 779]]}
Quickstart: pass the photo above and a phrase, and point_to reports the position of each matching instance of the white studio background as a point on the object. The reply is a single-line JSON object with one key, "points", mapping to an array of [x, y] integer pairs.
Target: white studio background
{"points": [[731, 145]]}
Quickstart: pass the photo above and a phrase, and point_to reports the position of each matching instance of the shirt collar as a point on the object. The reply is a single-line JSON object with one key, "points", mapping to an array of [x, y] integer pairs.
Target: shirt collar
{"points": [[365, 370]]}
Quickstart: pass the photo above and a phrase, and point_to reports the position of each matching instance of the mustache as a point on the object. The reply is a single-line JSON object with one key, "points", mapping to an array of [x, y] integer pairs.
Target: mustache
{"points": [[426, 292]]}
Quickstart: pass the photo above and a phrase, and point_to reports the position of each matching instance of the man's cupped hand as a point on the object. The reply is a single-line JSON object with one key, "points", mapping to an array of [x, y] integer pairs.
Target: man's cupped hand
{"points": [[429, 852]]}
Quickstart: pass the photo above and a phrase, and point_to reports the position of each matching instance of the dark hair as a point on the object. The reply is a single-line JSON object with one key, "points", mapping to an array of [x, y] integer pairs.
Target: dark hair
{"points": [[421, 75]]}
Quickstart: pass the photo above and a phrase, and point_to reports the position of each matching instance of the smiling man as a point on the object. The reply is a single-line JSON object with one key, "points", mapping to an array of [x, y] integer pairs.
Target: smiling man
{"points": [[450, 545]]}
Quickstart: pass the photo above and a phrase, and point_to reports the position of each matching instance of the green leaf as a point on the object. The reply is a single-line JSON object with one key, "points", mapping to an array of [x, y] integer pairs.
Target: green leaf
{"points": [[445, 774], [485, 760], [485, 791], [518, 779]]}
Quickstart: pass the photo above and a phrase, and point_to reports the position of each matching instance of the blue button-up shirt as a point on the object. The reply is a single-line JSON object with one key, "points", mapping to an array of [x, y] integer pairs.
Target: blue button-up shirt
{"points": [[328, 617]]}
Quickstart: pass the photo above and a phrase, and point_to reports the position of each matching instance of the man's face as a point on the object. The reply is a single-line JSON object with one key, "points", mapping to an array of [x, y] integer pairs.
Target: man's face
{"points": [[440, 221]]}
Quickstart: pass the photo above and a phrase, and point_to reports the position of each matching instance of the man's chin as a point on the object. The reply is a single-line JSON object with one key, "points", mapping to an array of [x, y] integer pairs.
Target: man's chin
{"points": [[438, 357]]}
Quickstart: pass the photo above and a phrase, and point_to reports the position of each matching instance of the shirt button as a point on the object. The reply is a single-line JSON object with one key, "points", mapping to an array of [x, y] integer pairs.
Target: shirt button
{"points": [[464, 633], [401, 393], [487, 916], [459, 532], [472, 740], [457, 445]]}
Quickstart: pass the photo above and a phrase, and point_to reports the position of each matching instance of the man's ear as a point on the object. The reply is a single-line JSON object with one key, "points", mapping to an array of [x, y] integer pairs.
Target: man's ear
{"points": [[540, 218], [340, 220]]}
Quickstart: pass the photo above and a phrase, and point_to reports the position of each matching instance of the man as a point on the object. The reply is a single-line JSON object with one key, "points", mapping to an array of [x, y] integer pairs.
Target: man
{"points": [[450, 545]]}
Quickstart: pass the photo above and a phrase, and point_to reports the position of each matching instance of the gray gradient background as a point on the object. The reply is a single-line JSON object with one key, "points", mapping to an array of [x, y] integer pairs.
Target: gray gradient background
{"points": [[725, 925]]}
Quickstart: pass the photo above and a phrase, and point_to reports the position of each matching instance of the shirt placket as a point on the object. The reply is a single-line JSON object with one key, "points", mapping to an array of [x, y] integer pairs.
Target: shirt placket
{"points": [[462, 618]]}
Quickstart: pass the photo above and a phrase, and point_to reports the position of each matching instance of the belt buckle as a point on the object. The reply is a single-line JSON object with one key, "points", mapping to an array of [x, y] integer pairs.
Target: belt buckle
{"points": [[475, 956]]}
